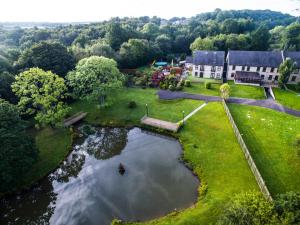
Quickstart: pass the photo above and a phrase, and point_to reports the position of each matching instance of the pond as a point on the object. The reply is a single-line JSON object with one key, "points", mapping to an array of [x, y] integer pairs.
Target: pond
{"points": [[88, 187]]}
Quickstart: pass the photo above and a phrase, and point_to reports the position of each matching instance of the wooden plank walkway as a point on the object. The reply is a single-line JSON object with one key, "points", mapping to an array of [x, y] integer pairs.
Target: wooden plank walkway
{"points": [[160, 124], [74, 119]]}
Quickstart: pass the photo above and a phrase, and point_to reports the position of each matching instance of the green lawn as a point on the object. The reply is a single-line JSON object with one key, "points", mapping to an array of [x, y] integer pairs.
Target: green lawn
{"points": [[287, 98], [271, 139], [245, 91], [53, 147], [202, 80], [120, 114], [199, 88]]}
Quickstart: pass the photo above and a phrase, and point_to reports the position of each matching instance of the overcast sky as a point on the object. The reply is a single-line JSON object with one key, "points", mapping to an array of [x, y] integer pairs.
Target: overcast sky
{"points": [[96, 10]]}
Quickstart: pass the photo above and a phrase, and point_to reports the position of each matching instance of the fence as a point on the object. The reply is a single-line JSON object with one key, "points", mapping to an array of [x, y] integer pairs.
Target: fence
{"points": [[255, 171]]}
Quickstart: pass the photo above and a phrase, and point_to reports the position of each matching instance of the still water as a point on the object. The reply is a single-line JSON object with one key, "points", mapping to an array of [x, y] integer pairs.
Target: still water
{"points": [[87, 189]]}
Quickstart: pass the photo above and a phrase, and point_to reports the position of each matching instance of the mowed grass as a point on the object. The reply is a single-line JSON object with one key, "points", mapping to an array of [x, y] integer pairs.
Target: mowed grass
{"points": [[236, 90], [53, 145], [245, 91], [211, 148], [271, 139], [120, 114], [287, 98]]}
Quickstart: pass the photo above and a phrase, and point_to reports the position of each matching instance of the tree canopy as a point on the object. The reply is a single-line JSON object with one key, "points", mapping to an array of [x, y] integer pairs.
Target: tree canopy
{"points": [[286, 68], [95, 78], [18, 151], [51, 56], [41, 94]]}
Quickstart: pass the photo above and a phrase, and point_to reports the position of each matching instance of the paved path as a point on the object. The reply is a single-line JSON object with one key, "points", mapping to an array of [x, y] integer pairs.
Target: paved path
{"points": [[267, 103], [160, 124]]}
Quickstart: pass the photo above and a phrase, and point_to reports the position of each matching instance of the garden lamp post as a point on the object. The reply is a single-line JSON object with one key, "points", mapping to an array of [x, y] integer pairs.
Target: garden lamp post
{"points": [[183, 117], [147, 110]]}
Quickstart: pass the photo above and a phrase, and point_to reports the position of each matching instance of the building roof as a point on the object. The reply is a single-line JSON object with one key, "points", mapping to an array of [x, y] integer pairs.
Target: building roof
{"points": [[214, 58], [295, 56], [242, 75], [189, 59], [255, 58]]}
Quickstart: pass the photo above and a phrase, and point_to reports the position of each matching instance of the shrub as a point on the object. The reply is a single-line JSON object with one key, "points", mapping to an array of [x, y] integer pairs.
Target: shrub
{"points": [[187, 83], [225, 91], [171, 87], [298, 140], [179, 88], [207, 85], [132, 104]]}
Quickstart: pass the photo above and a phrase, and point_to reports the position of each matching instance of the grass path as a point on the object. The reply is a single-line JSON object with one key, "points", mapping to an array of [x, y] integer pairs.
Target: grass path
{"points": [[271, 139]]}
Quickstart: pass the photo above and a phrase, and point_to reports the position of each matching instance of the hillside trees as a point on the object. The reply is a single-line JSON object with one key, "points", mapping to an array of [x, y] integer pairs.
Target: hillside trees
{"points": [[47, 56], [6, 80], [95, 78], [41, 94], [18, 151]]}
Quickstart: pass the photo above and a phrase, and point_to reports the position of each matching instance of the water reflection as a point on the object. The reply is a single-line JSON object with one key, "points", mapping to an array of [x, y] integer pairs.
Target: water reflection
{"points": [[88, 189]]}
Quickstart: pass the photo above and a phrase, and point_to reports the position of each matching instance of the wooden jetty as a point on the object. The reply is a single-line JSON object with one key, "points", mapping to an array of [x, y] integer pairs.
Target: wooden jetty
{"points": [[74, 119]]}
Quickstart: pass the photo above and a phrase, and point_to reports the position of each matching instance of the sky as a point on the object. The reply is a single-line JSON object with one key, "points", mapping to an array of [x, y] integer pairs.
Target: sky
{"points": [[98, 10]]}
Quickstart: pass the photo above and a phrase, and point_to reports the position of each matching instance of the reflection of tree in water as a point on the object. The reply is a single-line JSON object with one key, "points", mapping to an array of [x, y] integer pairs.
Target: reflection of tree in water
{"points": [[105, 143], [33, 207], [70, 167]]}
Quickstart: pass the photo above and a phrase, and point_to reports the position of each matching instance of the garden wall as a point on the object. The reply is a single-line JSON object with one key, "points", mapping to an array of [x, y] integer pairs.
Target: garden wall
{"points": [[255, 171]]}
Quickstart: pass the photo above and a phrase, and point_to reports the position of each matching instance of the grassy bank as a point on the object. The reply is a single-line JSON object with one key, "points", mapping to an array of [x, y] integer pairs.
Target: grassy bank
{"points": [[271, 139], [287, 98]]}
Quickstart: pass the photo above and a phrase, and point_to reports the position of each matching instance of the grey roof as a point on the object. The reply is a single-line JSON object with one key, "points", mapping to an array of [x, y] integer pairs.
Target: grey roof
{"points": [[189, 59], [295, 56], [255, 58], [214, 58]]}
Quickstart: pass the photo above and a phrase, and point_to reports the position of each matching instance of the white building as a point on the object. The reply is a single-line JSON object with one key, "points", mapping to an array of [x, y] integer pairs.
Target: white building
{"points": [[295, 56], [254, 67], [208, 64]]}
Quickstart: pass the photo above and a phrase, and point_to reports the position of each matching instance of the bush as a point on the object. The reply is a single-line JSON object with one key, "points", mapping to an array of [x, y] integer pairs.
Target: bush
{"points": [[298, 140], [132, 104], [187, 83], [171, 87], [179, 88], [207, 85]]}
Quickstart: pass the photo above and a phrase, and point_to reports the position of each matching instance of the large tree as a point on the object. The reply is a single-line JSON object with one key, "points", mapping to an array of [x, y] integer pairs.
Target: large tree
{"points": [[286, 68], [202, 44], [102, 49], [260, 39], [47, 56], [6, 80], [18, 151], [41, 94], [95, 78]]}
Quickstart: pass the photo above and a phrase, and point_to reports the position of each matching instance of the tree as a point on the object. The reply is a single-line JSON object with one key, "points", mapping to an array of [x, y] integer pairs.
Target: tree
{"points": [[202, 44], [164, 43], [260, 39], [286, 68], [41, 94], [102, 49], [6, 80], [47, 56], [225, 91], [287, 207], [230, 26], [248, 208], [292, 37], [95, 78], [4, 64], [150, 31], [18, 151]]}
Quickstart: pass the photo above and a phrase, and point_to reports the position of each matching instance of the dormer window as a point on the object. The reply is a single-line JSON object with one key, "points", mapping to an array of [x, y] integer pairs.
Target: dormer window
{"points": [[272, 70], [233, 67]]}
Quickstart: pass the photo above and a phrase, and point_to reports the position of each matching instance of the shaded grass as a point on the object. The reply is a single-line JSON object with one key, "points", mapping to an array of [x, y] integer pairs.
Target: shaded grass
{"points": [[53, 145], [293, 87], [271, 139], [199, 88], [287, 98]]}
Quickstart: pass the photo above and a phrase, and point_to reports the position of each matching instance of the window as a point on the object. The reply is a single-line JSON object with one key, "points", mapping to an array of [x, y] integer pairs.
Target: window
{"points": [[276, 78], [201, 74], [262, 77], [201, 68], [272, 70], [196, 67], [264, 69], [213, 68], [233, 67], [218, 76], [219, 68], [196, 74], [232, 74], [243, 68], [248, 68], [258, 69], [212, 75], [270, 77], [293, 78]]}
